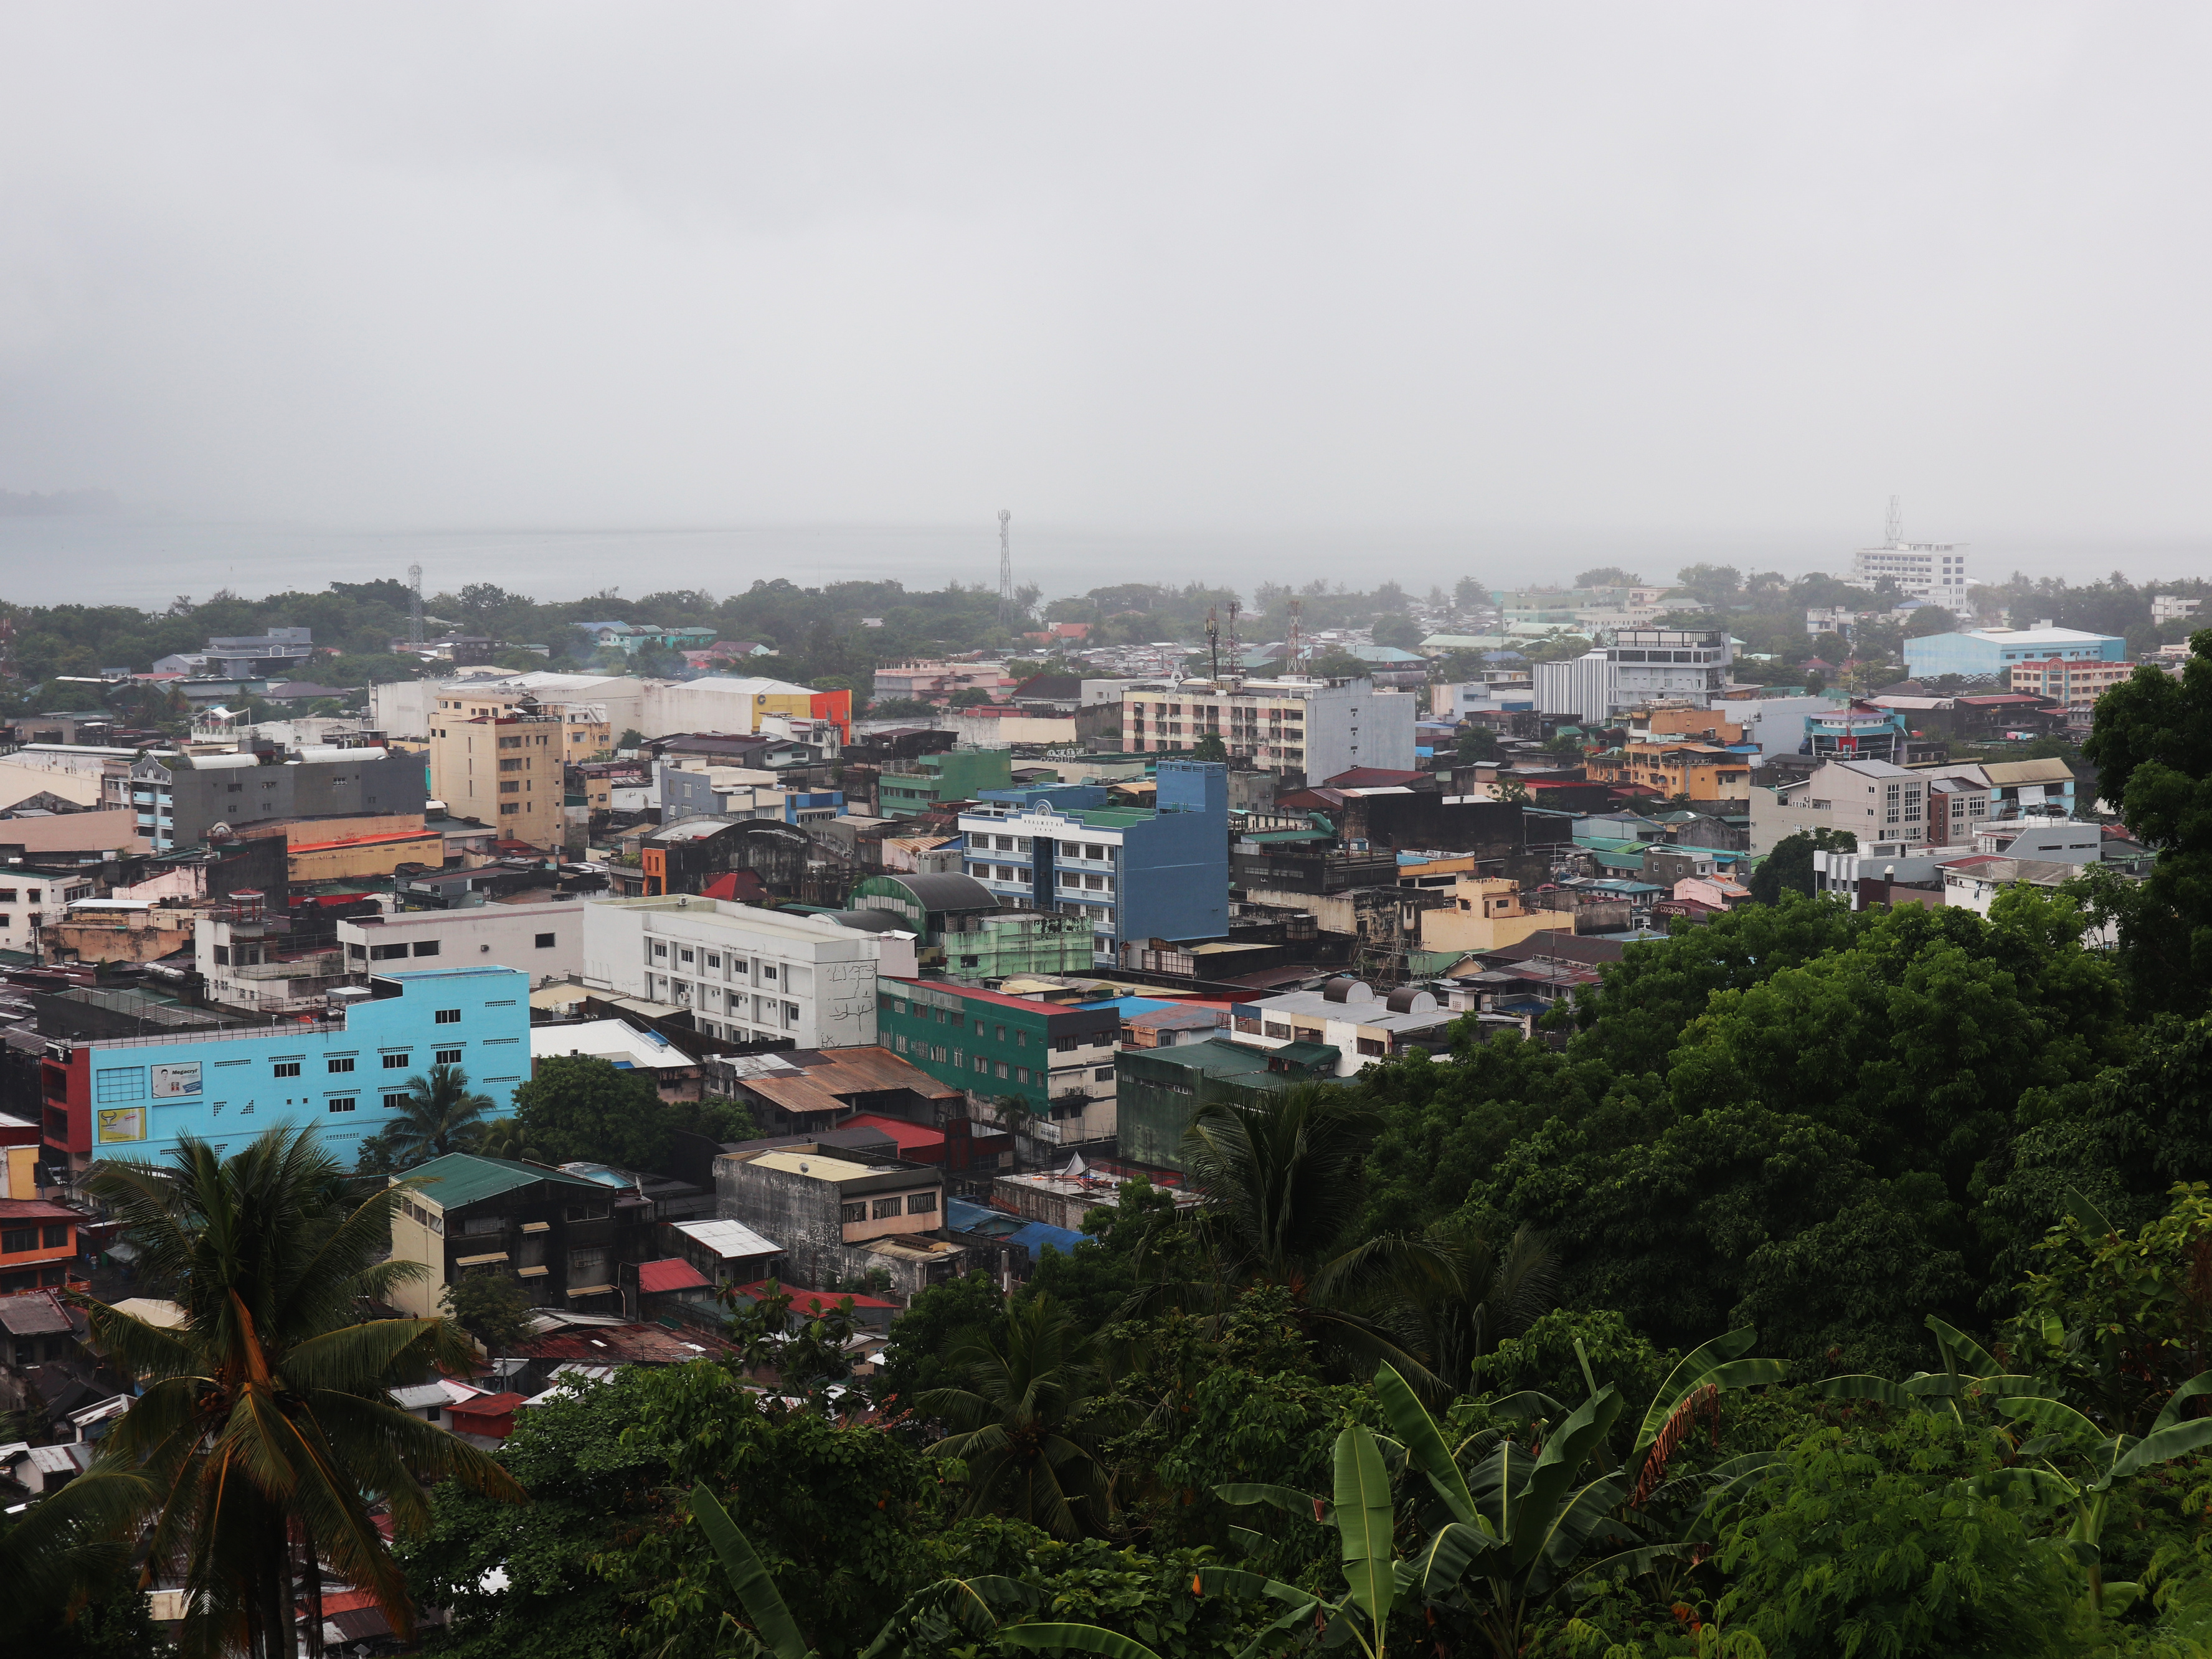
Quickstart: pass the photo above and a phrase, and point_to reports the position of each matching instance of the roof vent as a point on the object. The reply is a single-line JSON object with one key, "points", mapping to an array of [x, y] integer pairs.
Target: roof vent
{"points": [[1346, 989]]}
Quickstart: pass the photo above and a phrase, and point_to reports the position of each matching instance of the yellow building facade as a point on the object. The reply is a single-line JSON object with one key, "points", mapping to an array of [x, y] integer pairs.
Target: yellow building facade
{"points": [[498, 756], [1488, 914]]}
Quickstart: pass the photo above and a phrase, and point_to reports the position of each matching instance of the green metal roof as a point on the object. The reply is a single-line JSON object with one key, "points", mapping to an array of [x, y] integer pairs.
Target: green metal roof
{"points": [[1215, 1054], [1422, 963], [1310, 1054], [1620, 860], [463, 1178]]}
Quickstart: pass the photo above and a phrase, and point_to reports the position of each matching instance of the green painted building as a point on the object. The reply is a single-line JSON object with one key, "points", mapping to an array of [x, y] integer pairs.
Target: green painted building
{"points": [[1009, 943], [956, 774], [1158, 1090], [967, 932], [994, 1046]]}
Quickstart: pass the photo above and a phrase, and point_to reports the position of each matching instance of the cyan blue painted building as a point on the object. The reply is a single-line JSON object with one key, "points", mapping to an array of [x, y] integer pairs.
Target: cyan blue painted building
{"points": [[1139, 872], [1994, 650], [134, 1097]]}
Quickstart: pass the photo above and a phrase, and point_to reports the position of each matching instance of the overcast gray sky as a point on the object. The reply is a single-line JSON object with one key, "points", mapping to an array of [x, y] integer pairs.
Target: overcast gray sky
{"points": [[1673, 270]]}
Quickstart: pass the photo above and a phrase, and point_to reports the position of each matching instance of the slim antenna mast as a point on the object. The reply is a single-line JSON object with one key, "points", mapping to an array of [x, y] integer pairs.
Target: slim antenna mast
{"points": [[1236, 649], [1005, 567], [414, 603], [1894, 528], [1294, 643], [1213, 641]]}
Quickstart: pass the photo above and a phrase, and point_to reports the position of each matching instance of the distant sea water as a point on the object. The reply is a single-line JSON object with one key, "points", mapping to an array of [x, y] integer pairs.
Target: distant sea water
{"points": [[146, 562]]}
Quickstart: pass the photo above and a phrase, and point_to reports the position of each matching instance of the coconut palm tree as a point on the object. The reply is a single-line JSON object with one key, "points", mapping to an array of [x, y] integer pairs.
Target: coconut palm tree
{"points": [[1461, 1295], [1028, 1424], [440, 1116], [505, 1137], [1282, 1181], [264, 1424]]}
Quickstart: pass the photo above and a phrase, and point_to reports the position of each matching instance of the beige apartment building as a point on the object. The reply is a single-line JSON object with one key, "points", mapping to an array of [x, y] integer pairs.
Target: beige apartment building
{"points": [[2076, 685], [497, 756], [1320, 727]]}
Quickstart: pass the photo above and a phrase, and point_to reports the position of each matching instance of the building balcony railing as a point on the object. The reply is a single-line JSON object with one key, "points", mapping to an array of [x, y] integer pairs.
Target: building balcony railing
{"points": [[322, 965]]}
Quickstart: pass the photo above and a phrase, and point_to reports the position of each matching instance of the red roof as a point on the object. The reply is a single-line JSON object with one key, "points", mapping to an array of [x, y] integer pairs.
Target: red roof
{"points": [[350, 1600], [814, 1302], [904, 1134], [1372, 777], [669, 1275], [976, 994], [739, 887], [35, 1209], [490, 1406]]}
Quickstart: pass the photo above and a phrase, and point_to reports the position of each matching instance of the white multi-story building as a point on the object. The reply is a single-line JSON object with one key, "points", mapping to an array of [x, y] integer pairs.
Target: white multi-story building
{"points": [[546, 941], [1316, 726], [2172, 607], [745, 973], [410, 708], [1926, 573], [1641, 666]]}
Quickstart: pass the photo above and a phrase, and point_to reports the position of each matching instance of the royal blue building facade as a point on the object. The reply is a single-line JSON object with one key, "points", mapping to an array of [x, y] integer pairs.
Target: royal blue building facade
{"points": [[135, 1097], [1160, 872]]}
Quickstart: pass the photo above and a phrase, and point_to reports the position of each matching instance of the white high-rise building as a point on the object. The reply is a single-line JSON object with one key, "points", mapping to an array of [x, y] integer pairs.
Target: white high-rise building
{"points": [[1641, 666], [1927, 573], [746, 973], [1292, 724]]}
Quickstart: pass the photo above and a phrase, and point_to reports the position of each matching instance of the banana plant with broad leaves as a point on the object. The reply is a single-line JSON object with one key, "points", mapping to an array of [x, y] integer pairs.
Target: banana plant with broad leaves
{"points": [[2098, 1460], [1364, 1515], [1970, 1374], [771, 1633], [1521, 1525]]}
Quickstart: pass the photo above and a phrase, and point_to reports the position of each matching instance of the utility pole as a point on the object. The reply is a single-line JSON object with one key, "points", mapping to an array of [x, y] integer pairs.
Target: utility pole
{"points": [[1005, 568]]}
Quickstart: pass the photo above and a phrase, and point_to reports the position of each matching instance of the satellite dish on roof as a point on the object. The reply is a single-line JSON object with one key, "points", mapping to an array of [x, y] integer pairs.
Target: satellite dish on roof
{"points": [[221, 832]]}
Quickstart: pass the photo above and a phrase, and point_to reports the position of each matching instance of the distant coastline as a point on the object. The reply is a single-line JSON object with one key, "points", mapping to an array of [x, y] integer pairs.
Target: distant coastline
{"points": [[16, 505]]}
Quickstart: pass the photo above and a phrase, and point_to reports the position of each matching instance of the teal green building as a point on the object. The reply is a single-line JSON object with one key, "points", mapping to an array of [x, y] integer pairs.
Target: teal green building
{"points": [[994, 1046], [956, 774], [964, 931], [1158, 1090]]}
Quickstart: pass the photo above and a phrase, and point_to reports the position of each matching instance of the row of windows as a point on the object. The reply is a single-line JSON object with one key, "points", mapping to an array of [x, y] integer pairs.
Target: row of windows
{"points": [[125, 1083], [1066, 1042], [14, 1241], [685, 954], [421, 947], [1097, 851], [982, 1065], [1249, 712], [885, 1208]]}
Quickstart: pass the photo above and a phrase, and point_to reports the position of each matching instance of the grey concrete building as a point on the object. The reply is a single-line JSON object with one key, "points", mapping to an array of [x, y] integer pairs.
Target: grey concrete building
{"points": [[836, 1211], [177, 797]]}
